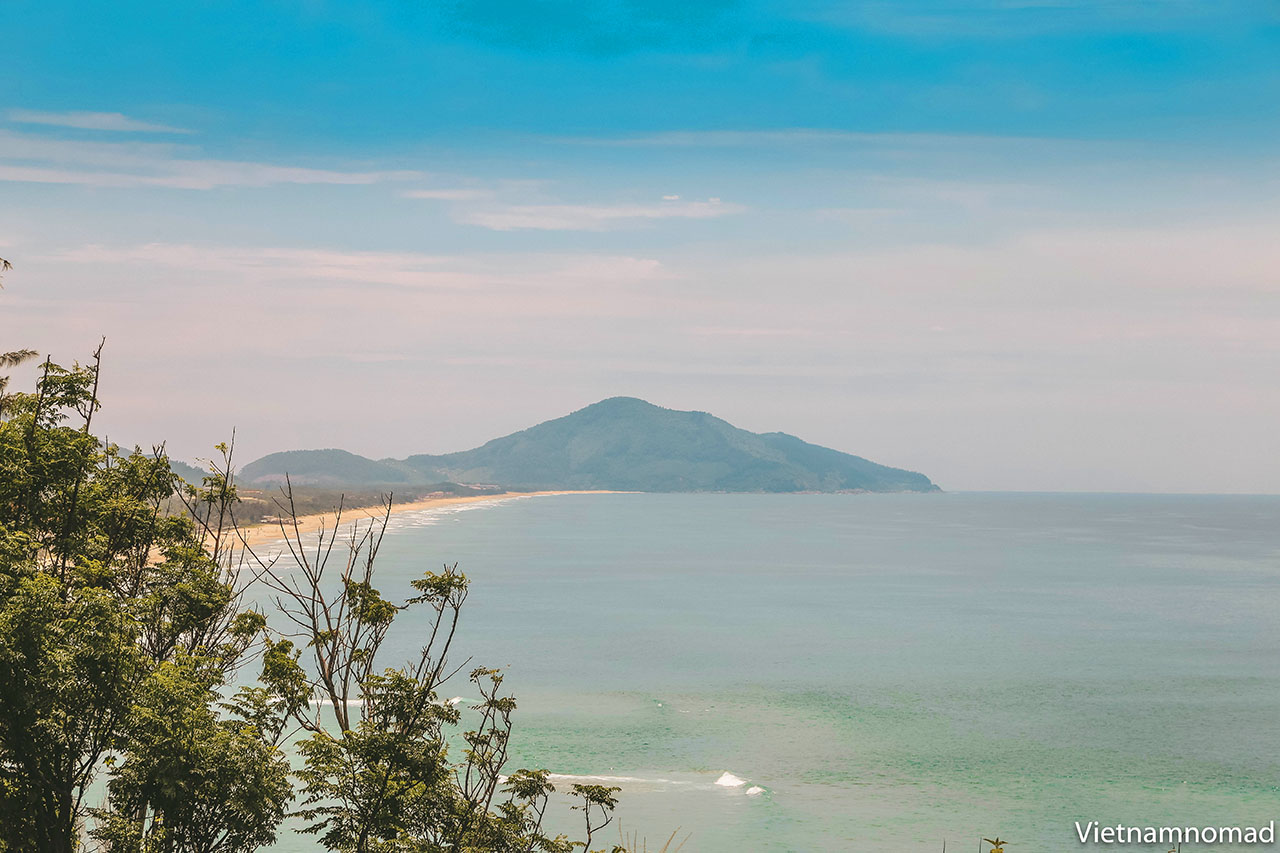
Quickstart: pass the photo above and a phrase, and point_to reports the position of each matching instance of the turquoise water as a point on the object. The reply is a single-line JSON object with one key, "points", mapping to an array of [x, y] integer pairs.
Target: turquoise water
{"points": [[882, 672]]}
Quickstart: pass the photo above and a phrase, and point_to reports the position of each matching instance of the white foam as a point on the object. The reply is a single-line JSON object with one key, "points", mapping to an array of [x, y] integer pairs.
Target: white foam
{"points": [[570, 776], [454, 701], [429, 516], [725, 780]]}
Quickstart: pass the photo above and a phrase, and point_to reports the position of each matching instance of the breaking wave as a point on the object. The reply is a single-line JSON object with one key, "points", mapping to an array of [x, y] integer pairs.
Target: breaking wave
{"points": [[725, 780]]}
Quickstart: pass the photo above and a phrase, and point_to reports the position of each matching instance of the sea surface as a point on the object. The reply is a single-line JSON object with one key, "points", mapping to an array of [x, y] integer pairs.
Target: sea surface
{"points": [[877, 672]]}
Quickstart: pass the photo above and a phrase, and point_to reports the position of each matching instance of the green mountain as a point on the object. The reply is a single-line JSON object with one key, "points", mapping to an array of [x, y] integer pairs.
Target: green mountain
{"points": [[187, 471], [324, 468], [621, 443]]}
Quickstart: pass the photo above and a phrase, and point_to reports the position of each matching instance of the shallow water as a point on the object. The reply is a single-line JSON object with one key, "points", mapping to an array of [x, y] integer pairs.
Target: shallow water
{"points": [[881, 672]]}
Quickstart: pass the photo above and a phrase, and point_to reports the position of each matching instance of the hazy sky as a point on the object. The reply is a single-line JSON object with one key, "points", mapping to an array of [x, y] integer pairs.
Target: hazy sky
{"points": [[1013, 244]]}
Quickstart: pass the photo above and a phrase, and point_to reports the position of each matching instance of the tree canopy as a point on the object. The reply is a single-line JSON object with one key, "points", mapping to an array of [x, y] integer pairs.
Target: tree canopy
{"points": [[128, 656], [12, 358]]}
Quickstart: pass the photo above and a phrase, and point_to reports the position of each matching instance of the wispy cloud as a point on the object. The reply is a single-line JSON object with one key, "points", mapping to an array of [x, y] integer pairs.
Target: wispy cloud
{"points": [[790, 136], [723, 138], [199, 175], [35, 159], [449, 194], [277, 264], [752, 332], [917, 193], [586, 217], [117, 122], [316, 267]]}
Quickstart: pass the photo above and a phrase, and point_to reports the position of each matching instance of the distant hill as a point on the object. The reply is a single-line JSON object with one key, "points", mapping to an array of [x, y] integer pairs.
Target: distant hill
{"points": [[193, 474], [621, 443], [325, 468], [188, 472]]}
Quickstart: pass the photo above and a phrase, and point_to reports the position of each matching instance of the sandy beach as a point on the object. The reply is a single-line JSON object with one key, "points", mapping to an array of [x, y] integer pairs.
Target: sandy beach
{"points": [[259, 534]]}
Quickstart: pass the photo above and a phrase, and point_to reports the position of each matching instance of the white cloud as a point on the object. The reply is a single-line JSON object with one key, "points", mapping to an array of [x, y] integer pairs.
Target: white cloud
{"points": [[456, 194], [799, 136], [585, 217], [117, 122], [754, 332], [723, 138], [34, 159], [280, 264], [314, 267], [199, 175], [1116, 348]]}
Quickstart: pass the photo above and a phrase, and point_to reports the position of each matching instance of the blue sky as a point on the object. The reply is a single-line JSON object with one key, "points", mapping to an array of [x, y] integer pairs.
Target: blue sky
{"points": [[1017, 244], [322, 78]]}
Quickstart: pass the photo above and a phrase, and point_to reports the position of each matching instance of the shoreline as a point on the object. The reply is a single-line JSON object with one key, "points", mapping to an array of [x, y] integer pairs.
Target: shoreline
{"points": [[266, 532]]}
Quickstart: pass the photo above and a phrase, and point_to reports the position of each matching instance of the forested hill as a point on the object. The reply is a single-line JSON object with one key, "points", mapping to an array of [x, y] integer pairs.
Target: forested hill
{"points": [[621, 443]]}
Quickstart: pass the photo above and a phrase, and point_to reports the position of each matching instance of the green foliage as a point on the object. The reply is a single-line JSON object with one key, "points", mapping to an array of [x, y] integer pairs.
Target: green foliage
{"points": [[379, 770], [214, 784], [596, 802], [262, 505], [118, 624], [121, 636], [68, 665], [14, 357]]}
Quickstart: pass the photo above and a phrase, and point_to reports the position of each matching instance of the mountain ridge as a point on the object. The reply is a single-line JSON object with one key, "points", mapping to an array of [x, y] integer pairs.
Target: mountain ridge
{"points": [[620, 443]]}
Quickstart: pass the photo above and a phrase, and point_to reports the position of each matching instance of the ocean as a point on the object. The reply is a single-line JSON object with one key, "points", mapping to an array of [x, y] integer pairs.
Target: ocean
{"points": [[876, 672]]}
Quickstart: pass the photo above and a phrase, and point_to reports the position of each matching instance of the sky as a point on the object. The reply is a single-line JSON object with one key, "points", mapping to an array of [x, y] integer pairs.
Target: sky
{"points": [[1012, 244]]}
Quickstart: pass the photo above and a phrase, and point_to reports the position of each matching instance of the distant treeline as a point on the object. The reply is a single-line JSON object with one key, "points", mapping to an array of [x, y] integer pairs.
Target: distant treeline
{"points": [[264, 504]]}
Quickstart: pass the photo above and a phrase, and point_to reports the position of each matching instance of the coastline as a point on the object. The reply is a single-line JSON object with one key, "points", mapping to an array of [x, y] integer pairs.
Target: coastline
{"points": [[266, 532]]}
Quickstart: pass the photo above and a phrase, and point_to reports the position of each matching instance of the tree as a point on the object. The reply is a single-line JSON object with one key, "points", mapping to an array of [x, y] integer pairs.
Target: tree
{"points": [[7, 360], [118, 622], [122, 629], [14, 357], [378, 771], [598, 803], [211, 783]]}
